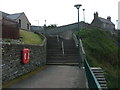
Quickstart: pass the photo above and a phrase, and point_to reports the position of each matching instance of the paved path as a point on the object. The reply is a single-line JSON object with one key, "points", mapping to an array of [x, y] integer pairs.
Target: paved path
{"points": [[55, 76]]}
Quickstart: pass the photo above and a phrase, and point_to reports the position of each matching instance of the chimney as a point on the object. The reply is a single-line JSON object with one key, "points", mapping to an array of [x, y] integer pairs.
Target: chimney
{"points": [[96, 15], [109, 18]]}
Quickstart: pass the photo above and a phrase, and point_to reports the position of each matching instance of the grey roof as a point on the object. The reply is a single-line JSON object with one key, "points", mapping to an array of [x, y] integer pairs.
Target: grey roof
{"points": [[37, 27], [105, 20], [14, 16], [4, 14]]}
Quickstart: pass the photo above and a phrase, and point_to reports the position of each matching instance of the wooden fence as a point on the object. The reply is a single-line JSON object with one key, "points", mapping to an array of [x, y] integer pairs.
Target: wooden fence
{"points": [[10, 29]]}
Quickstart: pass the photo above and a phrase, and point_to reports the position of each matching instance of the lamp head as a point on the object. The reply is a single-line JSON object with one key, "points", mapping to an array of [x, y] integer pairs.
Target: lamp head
{"points": [[78, 6]]}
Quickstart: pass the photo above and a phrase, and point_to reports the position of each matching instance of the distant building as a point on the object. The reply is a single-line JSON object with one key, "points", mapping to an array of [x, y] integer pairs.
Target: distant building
{"points": [[20, 18], [37, 28], [102, 23], [118, 27]]}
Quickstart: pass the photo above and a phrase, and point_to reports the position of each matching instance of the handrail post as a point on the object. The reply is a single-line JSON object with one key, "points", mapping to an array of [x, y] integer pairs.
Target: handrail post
{"points": [[63, 48], [58, 38]]}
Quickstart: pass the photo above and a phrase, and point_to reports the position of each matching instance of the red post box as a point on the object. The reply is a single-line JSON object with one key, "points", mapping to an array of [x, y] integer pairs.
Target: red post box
{"points": [[25, 56]]}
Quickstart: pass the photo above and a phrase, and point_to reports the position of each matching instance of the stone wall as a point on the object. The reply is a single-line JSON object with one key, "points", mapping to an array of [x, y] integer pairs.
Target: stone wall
{"points": [[12, 67], [61, 29]]}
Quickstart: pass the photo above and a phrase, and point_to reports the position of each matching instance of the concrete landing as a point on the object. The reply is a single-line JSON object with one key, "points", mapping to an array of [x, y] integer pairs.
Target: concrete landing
{"points": [[55, 76]]}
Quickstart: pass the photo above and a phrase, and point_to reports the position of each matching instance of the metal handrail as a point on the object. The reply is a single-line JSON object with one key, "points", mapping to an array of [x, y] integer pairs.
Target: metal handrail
{"points": [[92, 81]]}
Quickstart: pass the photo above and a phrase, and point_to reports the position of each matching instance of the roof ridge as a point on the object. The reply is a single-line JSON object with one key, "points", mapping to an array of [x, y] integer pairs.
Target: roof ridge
{"points": [[16, 13], [105, 20]]}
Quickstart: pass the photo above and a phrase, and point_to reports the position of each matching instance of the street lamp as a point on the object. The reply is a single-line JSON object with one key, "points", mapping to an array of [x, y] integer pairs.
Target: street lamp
{"points": [[78, 6], [45, 22], [37, 21], [78, 36], [117, 24], [84, 15]]}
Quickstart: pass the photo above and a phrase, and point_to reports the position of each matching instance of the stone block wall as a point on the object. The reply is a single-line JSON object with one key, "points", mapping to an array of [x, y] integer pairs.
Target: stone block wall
{"points": [[12, 67]]}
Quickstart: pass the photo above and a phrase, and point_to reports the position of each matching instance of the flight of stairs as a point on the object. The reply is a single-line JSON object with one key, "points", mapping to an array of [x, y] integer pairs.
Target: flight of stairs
{"points": [[98, 72], [55, 54]]}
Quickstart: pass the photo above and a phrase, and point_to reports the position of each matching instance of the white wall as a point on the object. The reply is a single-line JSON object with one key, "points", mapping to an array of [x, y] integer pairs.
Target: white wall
{"points": [[24, 22]]}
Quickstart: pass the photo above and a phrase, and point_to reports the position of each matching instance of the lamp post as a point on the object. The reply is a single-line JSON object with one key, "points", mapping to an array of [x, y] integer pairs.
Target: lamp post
{"points": [[84, 15], [45, 22], [37, 21], [78, 6], [84, 18], [117, 24], [78, 36]]}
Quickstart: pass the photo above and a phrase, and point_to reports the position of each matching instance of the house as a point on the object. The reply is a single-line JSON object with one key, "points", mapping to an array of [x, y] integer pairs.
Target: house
{"points": [[20, 18], [102, 23], [37, 28]]}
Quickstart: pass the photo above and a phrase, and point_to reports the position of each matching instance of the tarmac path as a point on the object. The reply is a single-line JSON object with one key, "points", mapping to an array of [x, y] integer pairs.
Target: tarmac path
{"points": [[55, 76]]}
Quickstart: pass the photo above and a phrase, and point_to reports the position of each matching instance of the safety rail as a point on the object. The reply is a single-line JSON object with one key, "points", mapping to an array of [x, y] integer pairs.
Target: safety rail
{"points": [[92, 81]]}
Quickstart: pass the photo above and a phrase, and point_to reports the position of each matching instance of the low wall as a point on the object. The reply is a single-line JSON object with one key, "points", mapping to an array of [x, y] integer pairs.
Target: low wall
{"points": [[11, 60]]}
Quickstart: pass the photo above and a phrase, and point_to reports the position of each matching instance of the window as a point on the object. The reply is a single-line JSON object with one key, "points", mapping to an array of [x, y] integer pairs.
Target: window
{"points": [[27, 26], [19, 23], [104, 25]]}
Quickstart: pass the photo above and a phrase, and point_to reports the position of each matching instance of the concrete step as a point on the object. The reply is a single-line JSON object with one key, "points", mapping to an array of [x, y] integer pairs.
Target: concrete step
{"points": [[99, 76], [61, 53], [104, 88], [103, 85], [63, 64], [62, 58], [56, 49], [98, 72], [102, 82]]}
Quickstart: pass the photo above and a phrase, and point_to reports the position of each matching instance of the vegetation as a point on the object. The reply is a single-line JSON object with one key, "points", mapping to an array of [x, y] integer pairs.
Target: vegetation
{"points": [[52, 26], [29, 37], [102, 51]]}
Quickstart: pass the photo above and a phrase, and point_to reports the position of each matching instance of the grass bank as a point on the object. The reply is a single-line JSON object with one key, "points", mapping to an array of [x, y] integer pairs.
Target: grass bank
{"points": [[29, 37], [102, 51]]}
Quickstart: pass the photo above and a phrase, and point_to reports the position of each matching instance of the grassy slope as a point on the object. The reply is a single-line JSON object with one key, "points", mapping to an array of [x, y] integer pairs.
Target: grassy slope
{"points": [[101, 50], [29, 37]]}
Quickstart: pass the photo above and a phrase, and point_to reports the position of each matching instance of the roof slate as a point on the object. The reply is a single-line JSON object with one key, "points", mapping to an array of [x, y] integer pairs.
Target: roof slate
{"points": [[105, 20], [14, 16], [4, 14]]}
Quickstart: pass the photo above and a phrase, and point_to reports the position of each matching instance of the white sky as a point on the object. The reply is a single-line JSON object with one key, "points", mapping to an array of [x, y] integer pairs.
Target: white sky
{"points": [[60, 12]]}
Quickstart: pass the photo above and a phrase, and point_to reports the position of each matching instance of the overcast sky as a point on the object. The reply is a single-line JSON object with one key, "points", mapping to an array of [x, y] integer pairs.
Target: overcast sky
{"points": [[60, 12]]}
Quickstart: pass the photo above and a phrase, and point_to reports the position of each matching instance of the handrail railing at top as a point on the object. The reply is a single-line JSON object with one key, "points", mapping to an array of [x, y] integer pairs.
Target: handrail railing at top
{"points": [[92, 81]]}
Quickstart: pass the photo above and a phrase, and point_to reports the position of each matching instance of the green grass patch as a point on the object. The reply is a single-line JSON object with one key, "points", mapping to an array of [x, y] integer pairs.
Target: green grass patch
{"points": [[30, 37], [102, 51]]}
